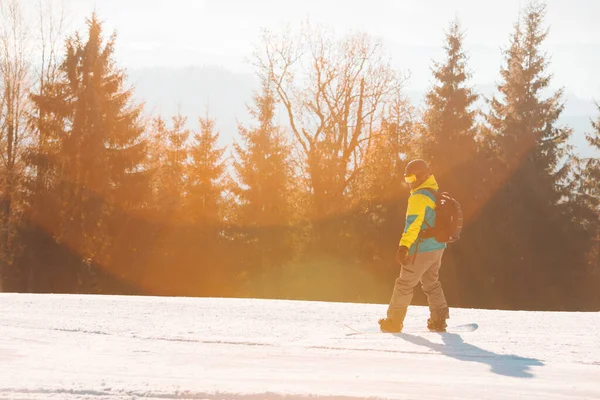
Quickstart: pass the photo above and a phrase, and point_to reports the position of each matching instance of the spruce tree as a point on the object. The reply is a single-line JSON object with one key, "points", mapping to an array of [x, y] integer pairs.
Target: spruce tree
{"points": [[205, 176], [449, 119], [100, 150], [593, 179], [264, 186], [170, 150], [592, 171], [585, 208], [203, 242], [449, 144], [530, 235], [166, 239]]}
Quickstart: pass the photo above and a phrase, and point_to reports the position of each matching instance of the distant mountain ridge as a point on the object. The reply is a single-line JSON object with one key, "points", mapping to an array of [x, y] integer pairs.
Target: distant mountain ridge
{"points": [[225, 95], [194, 92]]}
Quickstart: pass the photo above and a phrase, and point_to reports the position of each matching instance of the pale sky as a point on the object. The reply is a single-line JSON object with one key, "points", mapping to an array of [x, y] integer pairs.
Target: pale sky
{"points": [[223, 32]]}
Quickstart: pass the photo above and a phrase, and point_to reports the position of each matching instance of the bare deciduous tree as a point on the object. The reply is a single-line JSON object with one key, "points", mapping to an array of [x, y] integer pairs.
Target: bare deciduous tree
{"points": [[47, 24], [334, 92], [15, 64]]}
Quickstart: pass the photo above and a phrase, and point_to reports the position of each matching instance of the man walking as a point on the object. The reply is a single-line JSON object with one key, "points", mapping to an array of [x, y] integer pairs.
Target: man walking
{"points": [[419, 255]]}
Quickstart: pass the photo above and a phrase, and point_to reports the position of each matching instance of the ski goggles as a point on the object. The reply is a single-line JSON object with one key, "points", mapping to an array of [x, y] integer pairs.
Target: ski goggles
{"points": [[410, 178]]}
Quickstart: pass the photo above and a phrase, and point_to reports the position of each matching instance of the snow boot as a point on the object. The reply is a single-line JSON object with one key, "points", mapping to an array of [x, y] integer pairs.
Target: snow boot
{"points": [[437, 320], [394, 322]]}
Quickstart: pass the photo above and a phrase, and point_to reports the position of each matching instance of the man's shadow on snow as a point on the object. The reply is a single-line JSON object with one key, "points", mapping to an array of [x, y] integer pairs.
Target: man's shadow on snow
{"points": [[454, 346]]}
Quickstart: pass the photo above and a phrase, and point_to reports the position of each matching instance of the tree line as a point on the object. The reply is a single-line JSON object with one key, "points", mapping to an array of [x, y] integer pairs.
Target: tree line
{"points": [[98, 197]]}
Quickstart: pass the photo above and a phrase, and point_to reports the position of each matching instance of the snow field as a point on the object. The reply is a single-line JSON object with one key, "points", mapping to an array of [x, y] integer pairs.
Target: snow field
{"points": [[118, 347]]}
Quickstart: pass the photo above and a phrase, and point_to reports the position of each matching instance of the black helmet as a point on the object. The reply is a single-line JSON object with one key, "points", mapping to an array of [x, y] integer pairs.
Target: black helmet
{"points": [[416, 171]]}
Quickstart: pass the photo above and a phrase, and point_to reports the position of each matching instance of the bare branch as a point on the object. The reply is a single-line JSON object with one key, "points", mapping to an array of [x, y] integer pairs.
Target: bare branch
{"points": [[334, 106]]}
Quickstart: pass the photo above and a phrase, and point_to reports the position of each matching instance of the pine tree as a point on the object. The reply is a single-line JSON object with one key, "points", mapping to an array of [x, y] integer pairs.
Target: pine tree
{"points": [[593, 164], [262, 166], [592, 176], [449, 120], [450, 146], [585, 206], [165, 218], [99, 154], [170, 159], [263, 187], [205, 177], [532, 236], [202, 241]]}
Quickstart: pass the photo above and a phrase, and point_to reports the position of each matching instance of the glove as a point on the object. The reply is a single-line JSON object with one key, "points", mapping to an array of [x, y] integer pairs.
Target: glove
{"points": [[401, 254]]}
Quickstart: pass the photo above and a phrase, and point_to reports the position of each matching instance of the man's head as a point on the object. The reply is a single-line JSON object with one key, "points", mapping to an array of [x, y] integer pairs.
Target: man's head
{"points": [[416, 172]]}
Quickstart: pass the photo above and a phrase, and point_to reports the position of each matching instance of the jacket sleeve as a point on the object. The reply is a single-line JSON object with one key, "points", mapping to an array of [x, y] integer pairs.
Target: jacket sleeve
{"points": [[415, 214]]}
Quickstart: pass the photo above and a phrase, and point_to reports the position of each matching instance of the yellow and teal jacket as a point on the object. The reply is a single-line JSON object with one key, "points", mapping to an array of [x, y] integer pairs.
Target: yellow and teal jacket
{"points": [[420, 215]]}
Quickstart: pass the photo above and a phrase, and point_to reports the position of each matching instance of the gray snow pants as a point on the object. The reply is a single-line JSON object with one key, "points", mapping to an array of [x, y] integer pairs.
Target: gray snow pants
{"points": [[426, 268]]}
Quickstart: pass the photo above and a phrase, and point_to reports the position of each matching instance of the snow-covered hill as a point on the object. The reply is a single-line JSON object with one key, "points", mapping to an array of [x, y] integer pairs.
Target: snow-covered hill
{"points": [[95, 347]]}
